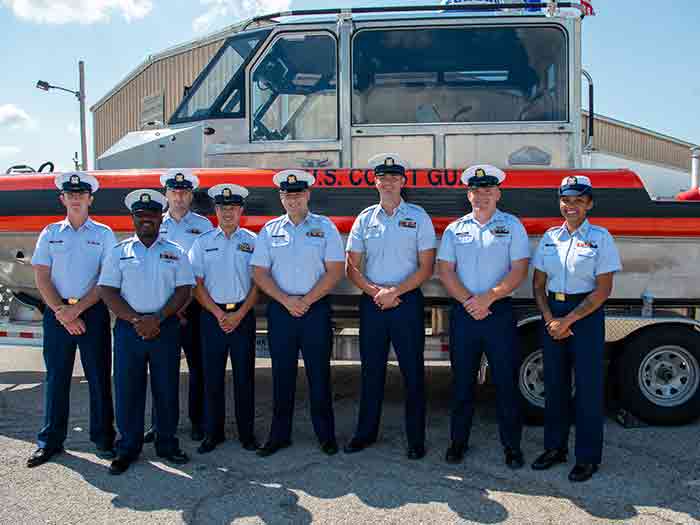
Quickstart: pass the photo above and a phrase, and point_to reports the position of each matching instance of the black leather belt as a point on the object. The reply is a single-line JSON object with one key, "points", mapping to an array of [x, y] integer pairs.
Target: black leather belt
{"points": [[566, 297], [230, 307]]}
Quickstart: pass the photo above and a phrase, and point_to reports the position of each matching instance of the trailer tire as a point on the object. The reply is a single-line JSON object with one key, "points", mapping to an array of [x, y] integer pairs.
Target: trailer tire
{"points": [[531, 377], [659, 375]]}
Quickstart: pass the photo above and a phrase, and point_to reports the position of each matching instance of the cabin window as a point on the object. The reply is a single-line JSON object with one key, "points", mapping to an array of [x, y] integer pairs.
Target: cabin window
{"points": [[219, 90], [294, 89], [457, 75]]}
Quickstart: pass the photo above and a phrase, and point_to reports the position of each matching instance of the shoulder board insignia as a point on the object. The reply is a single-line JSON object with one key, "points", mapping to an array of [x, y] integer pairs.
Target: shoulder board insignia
{"points": [[169, 256], [315, 233], [245, 247], [407, 223]]}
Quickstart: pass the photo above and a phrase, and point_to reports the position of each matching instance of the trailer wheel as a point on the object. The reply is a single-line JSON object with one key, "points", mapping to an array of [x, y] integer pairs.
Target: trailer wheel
{"points": [[659, 375], [531, 377]]}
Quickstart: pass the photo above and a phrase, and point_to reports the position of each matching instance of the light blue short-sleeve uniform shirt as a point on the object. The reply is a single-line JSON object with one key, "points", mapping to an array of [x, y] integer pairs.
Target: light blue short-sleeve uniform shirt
{"points": [[391, 244], [74, 256], [224, 263], [147, 277], [484, 253], [191, 226], [573, 261], [296, 255]]}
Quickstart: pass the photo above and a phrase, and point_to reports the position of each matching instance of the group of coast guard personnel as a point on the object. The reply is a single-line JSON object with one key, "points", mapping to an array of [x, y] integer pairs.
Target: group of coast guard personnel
{"points": [[181, 283]]}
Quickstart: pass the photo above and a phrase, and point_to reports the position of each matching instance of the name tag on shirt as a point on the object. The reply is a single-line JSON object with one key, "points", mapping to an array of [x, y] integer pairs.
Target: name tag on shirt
{"points": [[245, 247], [464, 237], [169, 256], [211, 250], [587, 245], [126, 258], [500, 231], [194, 231], [407, 223], [94, 243], [315, 233], [55, 242]]}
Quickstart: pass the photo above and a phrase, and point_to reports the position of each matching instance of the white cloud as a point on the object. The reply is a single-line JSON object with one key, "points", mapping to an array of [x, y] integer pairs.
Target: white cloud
{"points": [[8, 151], [80, 11], [13, 117], [235, 10]]}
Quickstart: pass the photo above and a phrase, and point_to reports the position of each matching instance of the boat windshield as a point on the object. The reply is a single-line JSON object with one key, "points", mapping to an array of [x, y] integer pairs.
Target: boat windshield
{"points": [[458, 74], [219, 91]]}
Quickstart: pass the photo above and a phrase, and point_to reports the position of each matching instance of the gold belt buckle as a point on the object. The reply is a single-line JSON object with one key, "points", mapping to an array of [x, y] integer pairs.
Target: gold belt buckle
{"points": [[72, 301], [230, 306], [558, 296]]}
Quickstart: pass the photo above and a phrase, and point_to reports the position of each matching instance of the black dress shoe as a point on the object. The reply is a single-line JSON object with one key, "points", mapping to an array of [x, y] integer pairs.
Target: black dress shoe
{"points": [[42, 455], [197, 433], [550, 458], [582, 471], [106, 453], [416, 452], [250, 444], [119, 465], [355, 445], [208, 445], [514, 458], [455, 452], [270, 448], [150, 435], [177, 458], [329, 448]]}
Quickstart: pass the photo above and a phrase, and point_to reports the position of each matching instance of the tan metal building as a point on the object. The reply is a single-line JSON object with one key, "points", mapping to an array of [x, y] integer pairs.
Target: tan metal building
{"points": [[153, 90]]}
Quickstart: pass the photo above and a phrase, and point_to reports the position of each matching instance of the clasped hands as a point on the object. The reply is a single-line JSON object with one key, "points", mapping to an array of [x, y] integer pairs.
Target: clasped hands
{"points": [[559, 328], [146, 326], [69, 317], [478, 306]]}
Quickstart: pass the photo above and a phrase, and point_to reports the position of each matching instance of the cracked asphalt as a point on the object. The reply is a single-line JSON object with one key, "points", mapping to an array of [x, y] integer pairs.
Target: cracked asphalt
{"points": [[649, 475]]}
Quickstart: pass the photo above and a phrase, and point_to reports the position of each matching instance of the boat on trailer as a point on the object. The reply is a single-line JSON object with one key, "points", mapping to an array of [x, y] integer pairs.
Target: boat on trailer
{"points": [[444, 87]]}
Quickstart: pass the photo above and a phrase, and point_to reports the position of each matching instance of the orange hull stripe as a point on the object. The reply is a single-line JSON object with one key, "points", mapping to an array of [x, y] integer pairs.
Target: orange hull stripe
{"points": [[623, 226]]}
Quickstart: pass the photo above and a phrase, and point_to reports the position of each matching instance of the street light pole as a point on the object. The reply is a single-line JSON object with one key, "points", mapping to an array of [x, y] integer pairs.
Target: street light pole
{"points": [[81, 98], [80, 95]]}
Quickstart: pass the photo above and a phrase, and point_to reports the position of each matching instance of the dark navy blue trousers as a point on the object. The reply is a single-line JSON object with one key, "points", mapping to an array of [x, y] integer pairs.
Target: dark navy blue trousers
{"points": [[403, 328], [584, 350], [133, 359], [469, 339], [96, 356], [191, 343], [217, 346], [312, 334]]}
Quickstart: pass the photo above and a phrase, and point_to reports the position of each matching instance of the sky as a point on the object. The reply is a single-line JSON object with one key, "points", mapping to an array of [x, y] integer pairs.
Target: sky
{"points": [[642, 55]]}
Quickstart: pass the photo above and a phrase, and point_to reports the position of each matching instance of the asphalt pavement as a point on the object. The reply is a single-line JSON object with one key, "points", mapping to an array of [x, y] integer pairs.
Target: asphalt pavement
{"points": [[649, 475]]}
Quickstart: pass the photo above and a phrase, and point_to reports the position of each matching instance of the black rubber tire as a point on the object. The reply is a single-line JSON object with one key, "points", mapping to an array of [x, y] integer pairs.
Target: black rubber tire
{"points": [[635, 351], [529, 338]]}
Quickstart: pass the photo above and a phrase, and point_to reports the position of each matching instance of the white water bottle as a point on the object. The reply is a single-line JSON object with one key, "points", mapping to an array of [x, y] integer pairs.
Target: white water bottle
{"points": [[647, 303]]}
